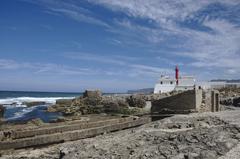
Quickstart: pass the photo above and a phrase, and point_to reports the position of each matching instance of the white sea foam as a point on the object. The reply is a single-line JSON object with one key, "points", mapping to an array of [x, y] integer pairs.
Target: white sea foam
{"points": [[20, 100], [22, 113]]}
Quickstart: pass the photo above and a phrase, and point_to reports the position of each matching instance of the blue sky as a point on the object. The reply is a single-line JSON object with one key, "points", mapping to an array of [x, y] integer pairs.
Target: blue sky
{"points": [[54, 45]]}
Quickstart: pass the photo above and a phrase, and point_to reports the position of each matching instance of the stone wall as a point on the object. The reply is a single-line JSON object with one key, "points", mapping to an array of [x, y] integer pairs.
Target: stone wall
{"points": [[215, 102], [186, 101], [92, 93], [211, 101], [72, 135]]}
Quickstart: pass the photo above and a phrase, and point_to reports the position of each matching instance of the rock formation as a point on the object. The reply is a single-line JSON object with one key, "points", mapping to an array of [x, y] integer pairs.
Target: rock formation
{"points": [[2, 109], [92, 102], [231, 101], [136, 101]]}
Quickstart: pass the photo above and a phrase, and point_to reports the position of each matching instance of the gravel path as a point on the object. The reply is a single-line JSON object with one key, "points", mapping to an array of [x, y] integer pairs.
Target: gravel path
{"points": [[200, 136]]}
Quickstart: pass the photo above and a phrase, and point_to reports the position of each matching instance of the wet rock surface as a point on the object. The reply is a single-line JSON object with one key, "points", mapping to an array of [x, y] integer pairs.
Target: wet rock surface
{"points": [[2, 109], [184, 136], [35, 103]]}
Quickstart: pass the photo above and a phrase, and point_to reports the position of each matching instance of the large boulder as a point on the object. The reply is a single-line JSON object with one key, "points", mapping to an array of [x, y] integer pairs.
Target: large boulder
{"points": [[2, 110]]}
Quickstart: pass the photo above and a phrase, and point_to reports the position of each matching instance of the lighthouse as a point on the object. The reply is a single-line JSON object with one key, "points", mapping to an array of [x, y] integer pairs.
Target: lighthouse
{"points": [[168, 84], [176, 74]]}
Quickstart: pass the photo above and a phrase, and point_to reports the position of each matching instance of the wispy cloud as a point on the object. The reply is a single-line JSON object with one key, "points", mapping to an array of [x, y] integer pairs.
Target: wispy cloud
{"points": [[194, 30], [127, 65], [8, 64], [95, 58], [71, 9], [217, 46], [78, 16], [44, 68]]}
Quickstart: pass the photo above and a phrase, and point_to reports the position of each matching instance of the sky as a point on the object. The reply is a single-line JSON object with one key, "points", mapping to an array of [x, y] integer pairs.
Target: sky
{"points": [[113, 45]]}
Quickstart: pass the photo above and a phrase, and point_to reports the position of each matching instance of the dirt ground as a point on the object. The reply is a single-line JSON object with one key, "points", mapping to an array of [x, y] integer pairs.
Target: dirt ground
{"points": [[200, 136]]}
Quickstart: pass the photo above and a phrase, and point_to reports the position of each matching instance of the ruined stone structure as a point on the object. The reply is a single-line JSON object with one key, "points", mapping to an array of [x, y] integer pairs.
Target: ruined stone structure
{"points": [[13, 139], [92, 93], [211, 101], [188, 101]]}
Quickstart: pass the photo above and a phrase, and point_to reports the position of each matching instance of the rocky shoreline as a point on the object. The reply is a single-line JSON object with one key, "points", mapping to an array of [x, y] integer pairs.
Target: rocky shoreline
{"points": [[207, 135], [93, 102], [202, 136]]}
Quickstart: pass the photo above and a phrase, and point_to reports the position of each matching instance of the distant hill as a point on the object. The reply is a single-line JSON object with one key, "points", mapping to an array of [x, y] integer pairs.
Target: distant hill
{"points": [[226, 80], [142, 91]]}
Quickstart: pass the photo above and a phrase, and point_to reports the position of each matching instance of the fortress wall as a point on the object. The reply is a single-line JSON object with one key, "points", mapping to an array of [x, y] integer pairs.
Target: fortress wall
{"points": [[185, 101]]}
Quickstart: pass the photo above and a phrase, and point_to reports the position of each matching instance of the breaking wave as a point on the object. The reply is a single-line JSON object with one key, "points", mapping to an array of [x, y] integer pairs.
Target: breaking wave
{"points": [[18, 102], [23, 114]]}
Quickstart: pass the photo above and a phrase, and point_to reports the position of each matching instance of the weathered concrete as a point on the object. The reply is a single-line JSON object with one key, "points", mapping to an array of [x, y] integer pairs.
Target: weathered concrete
{"points": [[211, 101], [186, 101], [215, 105], [189, 101], [65, 127], [71, 135]]}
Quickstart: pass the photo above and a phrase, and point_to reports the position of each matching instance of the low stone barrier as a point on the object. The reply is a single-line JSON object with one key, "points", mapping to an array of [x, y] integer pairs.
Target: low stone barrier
{"points": [[71, 127], [71, 135]]}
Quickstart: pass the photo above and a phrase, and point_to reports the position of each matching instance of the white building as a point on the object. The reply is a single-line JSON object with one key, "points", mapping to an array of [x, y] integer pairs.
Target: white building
{"points": [[217, 84], [167, 84], [185, 83], [223, 84]]}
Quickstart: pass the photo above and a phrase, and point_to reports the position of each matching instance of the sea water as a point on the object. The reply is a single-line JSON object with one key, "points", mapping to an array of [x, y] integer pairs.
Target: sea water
{"points": [[16, 111]]}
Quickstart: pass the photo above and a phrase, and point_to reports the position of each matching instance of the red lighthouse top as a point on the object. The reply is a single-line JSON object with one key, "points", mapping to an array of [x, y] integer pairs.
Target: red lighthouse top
{"points": [[176, 74]]}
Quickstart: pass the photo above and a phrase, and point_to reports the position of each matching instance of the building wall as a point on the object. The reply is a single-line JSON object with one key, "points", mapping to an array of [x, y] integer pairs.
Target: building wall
{"points": [[186, 81], [184, 88], [160, 88], [167, 84]]}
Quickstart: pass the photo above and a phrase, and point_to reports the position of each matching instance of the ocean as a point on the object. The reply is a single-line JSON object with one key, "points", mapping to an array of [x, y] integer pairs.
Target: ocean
{"points": [[16, 111]]}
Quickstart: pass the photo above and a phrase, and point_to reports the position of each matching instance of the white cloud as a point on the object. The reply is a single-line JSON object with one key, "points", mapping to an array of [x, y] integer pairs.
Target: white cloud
{"points": [[8, 64], [69, 9], [218, 49], [45, 68], [124, 65], [78, 16], [96, 58]]}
